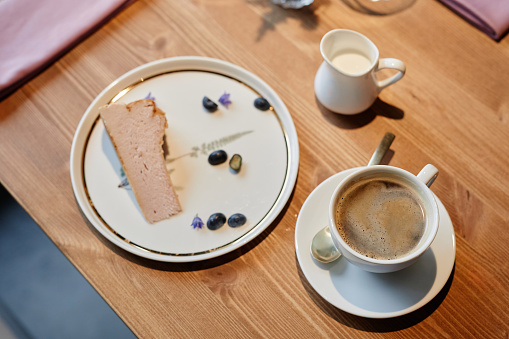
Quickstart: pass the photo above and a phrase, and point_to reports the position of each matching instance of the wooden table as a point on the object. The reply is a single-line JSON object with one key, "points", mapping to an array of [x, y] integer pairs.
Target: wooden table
{"points": [[451, 109]]}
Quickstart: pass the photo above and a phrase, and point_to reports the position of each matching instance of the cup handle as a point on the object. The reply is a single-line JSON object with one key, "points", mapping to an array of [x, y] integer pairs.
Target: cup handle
{"points": [[428, 174], [392, 64]]}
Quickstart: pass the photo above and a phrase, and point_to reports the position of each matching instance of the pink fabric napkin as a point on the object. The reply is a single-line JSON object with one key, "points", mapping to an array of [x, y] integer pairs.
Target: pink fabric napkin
{"points": [[490, 16], [35, 33]]}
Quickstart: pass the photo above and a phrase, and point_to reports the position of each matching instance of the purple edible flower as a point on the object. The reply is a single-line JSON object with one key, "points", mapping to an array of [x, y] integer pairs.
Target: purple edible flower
{"points": [[197, 222], [225, 99], [149, 96]]}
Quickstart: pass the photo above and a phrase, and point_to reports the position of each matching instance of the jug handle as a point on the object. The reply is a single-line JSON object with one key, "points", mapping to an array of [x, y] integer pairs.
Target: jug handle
{"points": [[392, 64]]}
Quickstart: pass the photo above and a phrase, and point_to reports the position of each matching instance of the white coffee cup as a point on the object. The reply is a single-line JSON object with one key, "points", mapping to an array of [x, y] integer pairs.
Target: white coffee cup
{"points": [[346, 82], [419, 185]]}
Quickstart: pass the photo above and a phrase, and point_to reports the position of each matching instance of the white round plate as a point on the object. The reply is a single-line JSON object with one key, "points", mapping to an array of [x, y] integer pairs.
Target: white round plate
{"points": [[372, 295], [266, 140]]}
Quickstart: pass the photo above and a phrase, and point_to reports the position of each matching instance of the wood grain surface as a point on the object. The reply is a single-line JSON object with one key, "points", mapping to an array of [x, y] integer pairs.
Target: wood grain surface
{"points": [[451, 109]]}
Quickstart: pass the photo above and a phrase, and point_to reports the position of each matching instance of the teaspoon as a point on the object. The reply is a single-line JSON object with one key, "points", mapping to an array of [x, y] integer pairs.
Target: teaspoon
{"points": [[322, 246]]}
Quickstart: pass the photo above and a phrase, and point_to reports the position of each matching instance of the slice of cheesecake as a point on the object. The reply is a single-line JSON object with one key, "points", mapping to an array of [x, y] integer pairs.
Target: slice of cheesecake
{"points": [[137, 131]]}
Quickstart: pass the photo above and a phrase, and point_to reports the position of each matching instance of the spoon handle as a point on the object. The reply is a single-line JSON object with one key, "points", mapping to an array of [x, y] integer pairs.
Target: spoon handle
{"points": [[382, 148]]}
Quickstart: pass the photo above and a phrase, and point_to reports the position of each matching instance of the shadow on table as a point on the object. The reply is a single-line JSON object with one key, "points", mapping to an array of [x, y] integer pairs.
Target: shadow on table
{"points": [[278, 15], [376, 325], [190, 266], [379, 107]]}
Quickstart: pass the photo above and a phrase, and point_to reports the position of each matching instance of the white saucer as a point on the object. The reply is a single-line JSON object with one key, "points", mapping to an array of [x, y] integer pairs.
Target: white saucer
{"points": [[366, 294]]}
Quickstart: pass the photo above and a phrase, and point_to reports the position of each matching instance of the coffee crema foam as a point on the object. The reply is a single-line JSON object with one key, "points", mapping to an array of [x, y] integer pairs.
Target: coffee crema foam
{"points": [[380, 218]]}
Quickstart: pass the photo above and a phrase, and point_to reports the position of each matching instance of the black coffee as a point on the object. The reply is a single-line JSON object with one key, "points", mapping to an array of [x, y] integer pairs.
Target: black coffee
{"points": [[380, 218]]}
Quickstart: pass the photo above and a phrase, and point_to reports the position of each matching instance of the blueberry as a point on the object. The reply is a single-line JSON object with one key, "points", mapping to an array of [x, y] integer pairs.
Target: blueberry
{"points": [[262, 104], [215, 221], [237, 220], [236, 162], [217, 157], [209, 105]]}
